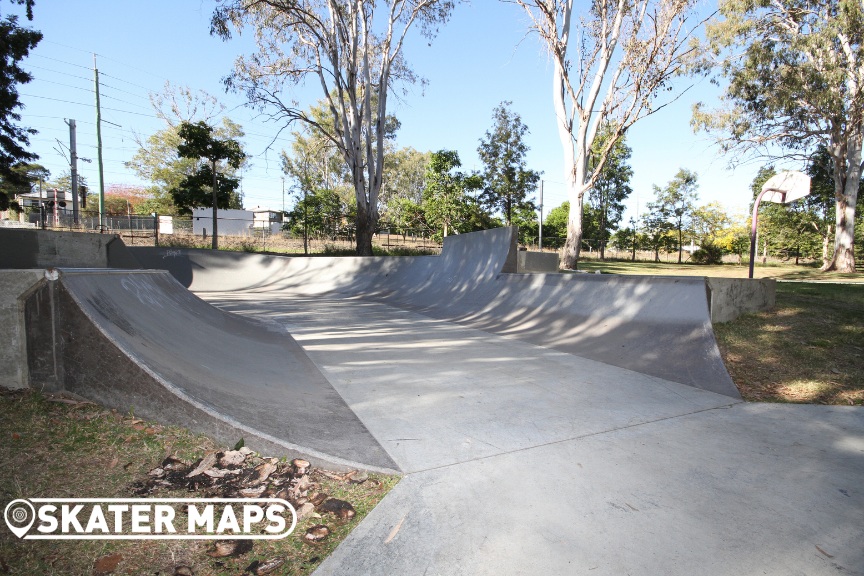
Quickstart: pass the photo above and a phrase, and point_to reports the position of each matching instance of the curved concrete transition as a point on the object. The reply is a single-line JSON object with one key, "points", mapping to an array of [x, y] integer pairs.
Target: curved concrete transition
{"points": [[176, 359], [658, 326]]}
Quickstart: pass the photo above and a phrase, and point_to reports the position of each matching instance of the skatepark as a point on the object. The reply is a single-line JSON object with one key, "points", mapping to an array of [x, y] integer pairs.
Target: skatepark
{"points": [[542, 423]]}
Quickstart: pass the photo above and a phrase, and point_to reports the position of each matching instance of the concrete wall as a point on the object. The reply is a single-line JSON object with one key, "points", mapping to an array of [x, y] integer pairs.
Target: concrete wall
{"points": [[536, 261], [731, 297], [23, 248], [15, 287]]}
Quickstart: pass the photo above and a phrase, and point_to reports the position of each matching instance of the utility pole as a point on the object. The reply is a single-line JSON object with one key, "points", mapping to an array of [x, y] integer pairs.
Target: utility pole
{"points": [[540, 240], [215, 241], [73, 165], [99, 150]]}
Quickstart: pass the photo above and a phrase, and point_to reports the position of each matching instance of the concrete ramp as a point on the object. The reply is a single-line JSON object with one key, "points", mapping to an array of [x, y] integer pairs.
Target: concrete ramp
{"points": [[140, 341], [658, 326]]}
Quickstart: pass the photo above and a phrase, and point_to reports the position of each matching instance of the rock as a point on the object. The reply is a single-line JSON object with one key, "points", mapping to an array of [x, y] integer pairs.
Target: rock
{"points": [[358, 478]]}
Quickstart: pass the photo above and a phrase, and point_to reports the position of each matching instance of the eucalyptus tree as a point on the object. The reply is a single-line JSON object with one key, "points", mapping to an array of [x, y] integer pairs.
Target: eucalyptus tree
{"points": [[610, 189], [353, 50], [611, 67], [508, 183], [795, 80], [675, 205]]}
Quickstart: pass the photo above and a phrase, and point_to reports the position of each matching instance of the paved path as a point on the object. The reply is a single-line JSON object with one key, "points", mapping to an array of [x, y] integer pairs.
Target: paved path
{"points": [[521, 459]]}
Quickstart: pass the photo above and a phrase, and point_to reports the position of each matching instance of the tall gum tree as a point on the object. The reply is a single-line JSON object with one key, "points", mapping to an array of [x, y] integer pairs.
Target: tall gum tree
{"points": [[609, 69], [795, 72], [353, 48]]}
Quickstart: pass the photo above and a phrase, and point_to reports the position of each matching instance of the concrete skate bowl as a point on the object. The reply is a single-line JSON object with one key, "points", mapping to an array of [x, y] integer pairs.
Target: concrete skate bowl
{"points": [[659, 326], [139, 340]]}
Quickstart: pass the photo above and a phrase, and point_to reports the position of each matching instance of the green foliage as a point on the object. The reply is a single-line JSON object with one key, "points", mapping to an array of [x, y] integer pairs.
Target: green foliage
{"points": [[606, 198], [198, 142], [794, 79], [322, 213], [404, 176], [805, 227], [157, 159], [708, 254], [507, 181], [446, 204], [671, 213], [15, 45], [555, 226], [24, 177]]}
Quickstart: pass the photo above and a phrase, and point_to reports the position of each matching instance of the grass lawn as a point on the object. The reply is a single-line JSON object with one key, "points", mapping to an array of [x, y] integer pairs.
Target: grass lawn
{"points": [[54, 447], [810, 348], [778, 271]]}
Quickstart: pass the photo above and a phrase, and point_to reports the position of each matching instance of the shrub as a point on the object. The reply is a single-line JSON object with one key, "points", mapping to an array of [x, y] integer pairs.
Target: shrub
{"points": [[708, 254]]}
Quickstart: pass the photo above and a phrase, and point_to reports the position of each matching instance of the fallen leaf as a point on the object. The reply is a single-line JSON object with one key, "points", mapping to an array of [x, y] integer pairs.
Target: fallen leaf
{"points": [[339, 508], [260, 568], [316, 533], [206, 463], [225, 548], [232, 458], [823, 552]]}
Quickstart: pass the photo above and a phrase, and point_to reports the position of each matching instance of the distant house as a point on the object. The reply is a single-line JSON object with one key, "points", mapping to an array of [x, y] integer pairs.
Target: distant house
{"points": [[57, 203], [236, 222], [266, 219], [230, 222]]}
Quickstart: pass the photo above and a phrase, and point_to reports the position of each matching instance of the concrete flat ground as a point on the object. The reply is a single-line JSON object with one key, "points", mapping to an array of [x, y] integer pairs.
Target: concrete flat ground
{"points": [[519, 459]]}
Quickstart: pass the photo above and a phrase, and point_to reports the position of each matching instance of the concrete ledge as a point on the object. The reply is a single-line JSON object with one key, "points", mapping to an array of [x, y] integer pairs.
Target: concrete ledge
{"points": [[536, 261], [24, 248], [731, 297], [15, 287]]}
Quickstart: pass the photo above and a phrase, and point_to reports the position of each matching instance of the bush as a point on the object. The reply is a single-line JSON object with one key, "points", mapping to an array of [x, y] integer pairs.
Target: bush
{"points": [[708, 254]]}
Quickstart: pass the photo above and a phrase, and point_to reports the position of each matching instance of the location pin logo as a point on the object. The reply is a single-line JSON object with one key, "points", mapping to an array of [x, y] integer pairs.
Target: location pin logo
{"points": [[19, 515]]}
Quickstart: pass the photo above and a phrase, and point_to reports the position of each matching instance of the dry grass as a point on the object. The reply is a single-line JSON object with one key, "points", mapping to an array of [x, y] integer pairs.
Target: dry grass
{"points": [[779, 270], [54, 449], [810, 348]]}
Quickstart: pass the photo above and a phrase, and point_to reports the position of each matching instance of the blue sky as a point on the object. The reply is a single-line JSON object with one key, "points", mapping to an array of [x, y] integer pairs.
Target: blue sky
{"points": [[481, 58]]}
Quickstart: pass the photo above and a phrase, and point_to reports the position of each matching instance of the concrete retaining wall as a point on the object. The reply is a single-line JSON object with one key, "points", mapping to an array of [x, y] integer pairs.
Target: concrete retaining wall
{"points": [[15, 288], [731, 297], [536, 261], [23, 248]]}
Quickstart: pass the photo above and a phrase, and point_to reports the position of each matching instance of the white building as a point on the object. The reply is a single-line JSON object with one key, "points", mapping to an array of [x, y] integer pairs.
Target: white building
{"points": [[236, 222]]}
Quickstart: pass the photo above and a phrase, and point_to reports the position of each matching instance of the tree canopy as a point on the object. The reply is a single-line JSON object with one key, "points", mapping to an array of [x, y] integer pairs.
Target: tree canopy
{"points": [[508, 183], [354, 52], [15, 45], [614, 68], [206, 186], [795, 73]]}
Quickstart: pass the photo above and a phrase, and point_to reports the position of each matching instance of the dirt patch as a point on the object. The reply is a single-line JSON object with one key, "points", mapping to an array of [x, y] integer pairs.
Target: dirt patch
{"points": [[57, 446]]}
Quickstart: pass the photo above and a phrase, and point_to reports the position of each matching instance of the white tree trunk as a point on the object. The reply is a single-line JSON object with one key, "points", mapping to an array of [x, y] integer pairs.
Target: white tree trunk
{"points": [[843, 259]]}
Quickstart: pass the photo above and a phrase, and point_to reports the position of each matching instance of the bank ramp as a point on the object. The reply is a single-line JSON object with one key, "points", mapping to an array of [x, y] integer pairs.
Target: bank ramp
{"points": [[138, 340], [658, 326]]}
